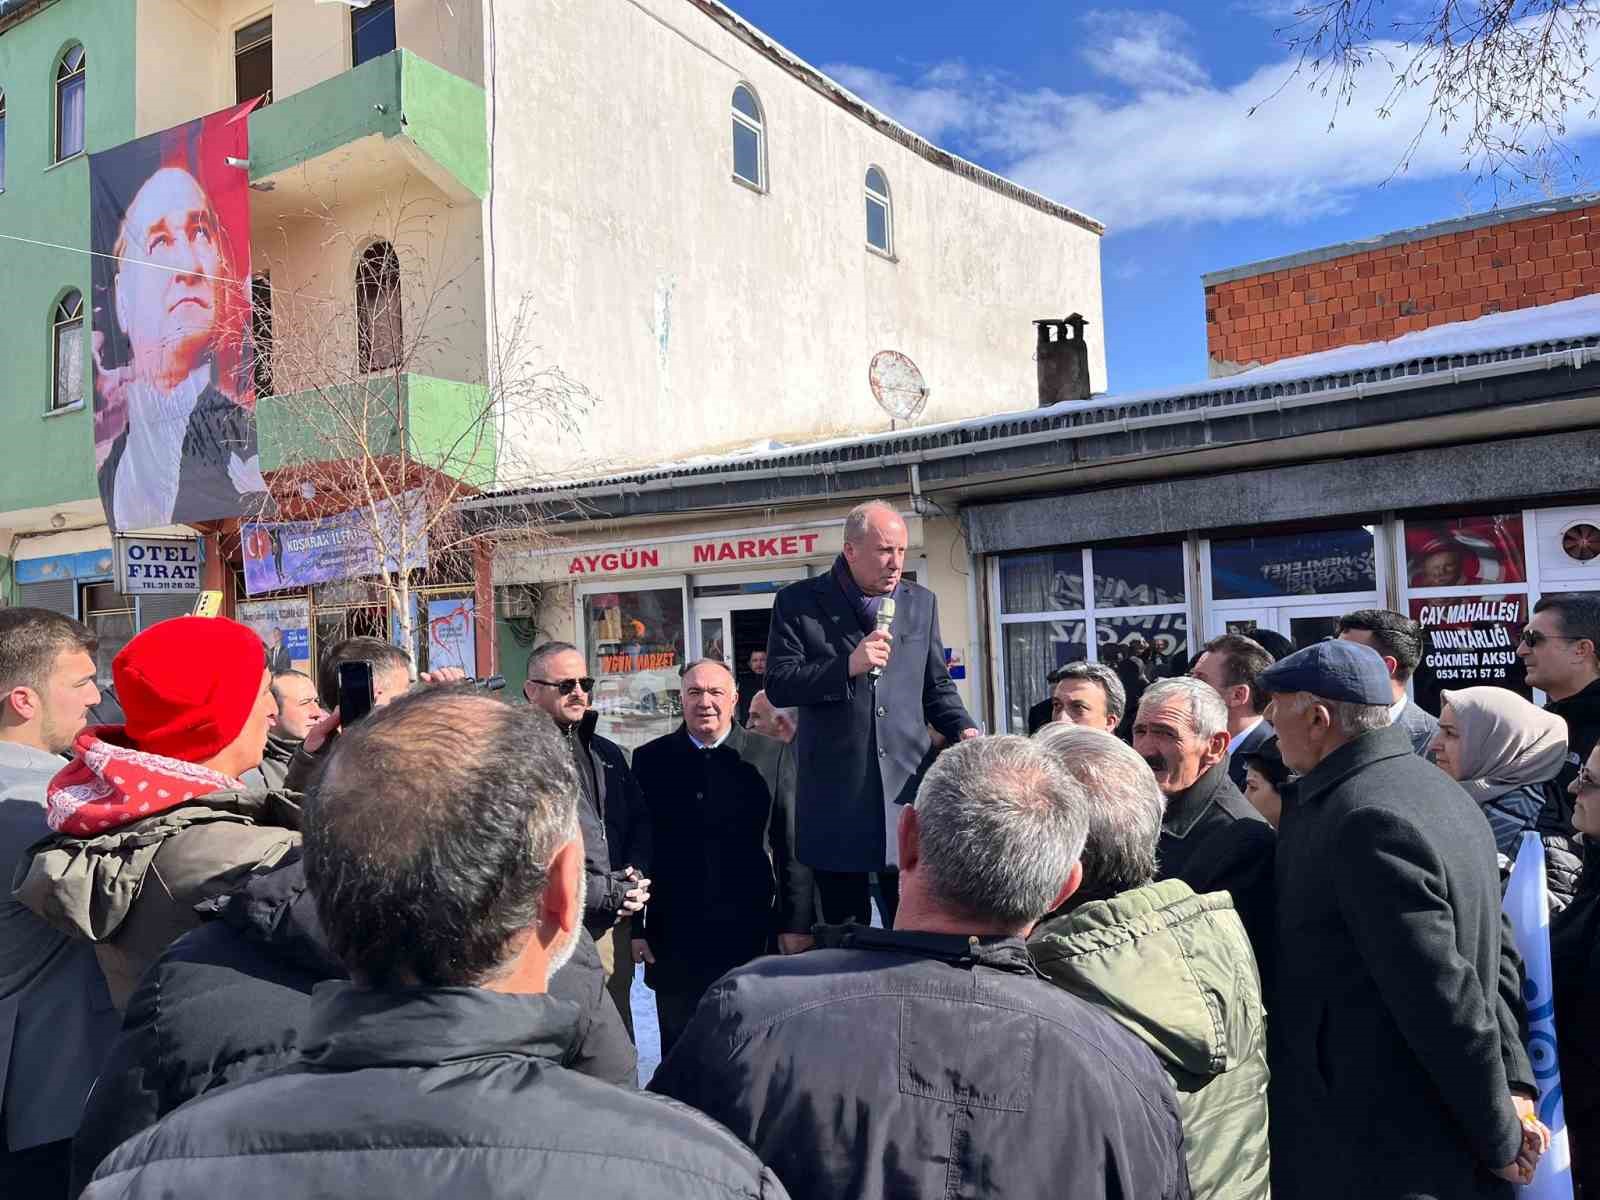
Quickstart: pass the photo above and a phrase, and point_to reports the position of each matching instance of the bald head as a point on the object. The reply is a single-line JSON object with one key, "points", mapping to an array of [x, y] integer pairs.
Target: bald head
{"points": [[875, 547], [771, 722]]}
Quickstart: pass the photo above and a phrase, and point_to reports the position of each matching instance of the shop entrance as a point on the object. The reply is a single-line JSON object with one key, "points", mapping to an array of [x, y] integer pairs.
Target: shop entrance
{"points": [[732, 617]]}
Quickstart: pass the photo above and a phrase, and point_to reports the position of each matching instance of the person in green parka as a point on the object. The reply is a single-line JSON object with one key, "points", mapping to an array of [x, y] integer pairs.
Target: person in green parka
{"points": [[1172, 967]]}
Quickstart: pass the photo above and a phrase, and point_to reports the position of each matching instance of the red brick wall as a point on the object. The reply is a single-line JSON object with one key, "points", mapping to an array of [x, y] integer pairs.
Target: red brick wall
{"points": [[1378, 294]]}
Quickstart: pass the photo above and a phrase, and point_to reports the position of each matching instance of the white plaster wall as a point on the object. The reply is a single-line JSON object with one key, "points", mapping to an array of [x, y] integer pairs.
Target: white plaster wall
{"points": [[705, 315]]}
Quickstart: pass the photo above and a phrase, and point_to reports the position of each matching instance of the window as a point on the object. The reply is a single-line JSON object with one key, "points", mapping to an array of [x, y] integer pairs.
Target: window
{"points": [[111, 615], [378, 326], [261, 333], [67, 352], [749, 139], [70, 76], [1133, 617], [2, 141], [252, 61], [635, 644], [879, 227], [371, 31]]}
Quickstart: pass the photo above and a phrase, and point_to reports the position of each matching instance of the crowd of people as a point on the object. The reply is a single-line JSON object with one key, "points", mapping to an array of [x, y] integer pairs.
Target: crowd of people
{"points": [[1252, 946]]}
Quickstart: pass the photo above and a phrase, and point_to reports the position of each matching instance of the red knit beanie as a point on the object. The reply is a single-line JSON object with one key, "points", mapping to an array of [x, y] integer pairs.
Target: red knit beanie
{"points": [[188, 685]]}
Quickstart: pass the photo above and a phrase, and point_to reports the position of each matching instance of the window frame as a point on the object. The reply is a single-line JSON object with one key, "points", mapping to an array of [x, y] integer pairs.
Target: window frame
{"points": [[355, 20], [756, 125], [243, 27], [64, 77], [61, 319], [884, 200], [366, 363]]}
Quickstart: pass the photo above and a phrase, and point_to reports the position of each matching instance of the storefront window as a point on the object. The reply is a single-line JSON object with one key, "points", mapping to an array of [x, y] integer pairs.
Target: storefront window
{"points": [[1465, 552], [1315, 563], [1136, 617], [111, 616], [635, 641], [1036, 583]]}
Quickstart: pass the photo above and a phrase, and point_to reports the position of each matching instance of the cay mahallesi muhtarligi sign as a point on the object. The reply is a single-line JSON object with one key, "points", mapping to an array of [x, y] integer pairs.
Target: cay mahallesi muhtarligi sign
{"points": [[148, 565]]}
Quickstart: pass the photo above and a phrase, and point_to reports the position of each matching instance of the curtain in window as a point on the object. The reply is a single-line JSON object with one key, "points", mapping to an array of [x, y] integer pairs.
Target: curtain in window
{"points": [[71, 101]]}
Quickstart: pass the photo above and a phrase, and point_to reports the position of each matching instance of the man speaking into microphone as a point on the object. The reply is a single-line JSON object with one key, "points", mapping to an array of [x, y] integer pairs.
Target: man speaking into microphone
{"points": [[857, 652]]}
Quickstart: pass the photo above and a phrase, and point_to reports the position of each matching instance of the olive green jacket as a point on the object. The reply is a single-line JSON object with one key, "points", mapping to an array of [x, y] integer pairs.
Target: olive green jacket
{"points": [[1176, 970], [132, 891]]}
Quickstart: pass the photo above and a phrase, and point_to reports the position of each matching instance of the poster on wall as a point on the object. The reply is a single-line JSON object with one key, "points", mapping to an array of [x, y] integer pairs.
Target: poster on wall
{"points": [[1469, 641], [293, 554], [453, 635], [284, 627], [174, 391], [1466, 551]]}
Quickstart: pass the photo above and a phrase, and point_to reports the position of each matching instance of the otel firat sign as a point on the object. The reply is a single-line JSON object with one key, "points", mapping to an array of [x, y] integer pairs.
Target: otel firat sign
{"points": [[577, 564]]}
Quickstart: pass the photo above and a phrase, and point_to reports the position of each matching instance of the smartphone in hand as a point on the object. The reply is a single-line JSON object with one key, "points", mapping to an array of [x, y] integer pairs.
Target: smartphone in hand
{"points": [[355, 692]]}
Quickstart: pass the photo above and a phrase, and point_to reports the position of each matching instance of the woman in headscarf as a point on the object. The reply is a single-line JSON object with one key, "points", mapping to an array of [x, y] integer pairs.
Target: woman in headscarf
{"points": [[1502, 749]]}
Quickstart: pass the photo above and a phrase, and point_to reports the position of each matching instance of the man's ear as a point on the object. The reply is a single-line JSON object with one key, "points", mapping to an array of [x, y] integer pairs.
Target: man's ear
{"points": [[1217, 747], [1070, 888], [22, 702], [1391, 665], [558, 911], [907, 838]]}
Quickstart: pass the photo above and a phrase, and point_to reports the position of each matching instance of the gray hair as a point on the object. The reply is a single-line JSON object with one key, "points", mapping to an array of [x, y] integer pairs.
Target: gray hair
{"points": [[1208, 715], [1350, 720], [855, 521], [1001, 823], [1116, 694], [1125, 806], [546, 651]]}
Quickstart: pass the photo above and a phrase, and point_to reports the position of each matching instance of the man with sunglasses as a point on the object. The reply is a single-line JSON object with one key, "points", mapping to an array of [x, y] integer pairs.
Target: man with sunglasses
{"points": [[1558, 648], [611, 815]]}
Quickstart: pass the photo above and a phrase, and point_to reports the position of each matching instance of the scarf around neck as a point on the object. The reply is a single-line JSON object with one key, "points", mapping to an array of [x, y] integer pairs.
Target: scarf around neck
{"points": [[864, 606], [108, 784]]}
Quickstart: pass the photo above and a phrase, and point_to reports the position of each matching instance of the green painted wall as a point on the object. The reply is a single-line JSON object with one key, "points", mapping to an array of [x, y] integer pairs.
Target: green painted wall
{"points": [[50, 460], [447, 118]]}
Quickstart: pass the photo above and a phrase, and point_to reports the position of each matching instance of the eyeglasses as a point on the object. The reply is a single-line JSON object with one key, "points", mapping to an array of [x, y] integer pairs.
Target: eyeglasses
{"points": [[567, 686], [1533, 638]]}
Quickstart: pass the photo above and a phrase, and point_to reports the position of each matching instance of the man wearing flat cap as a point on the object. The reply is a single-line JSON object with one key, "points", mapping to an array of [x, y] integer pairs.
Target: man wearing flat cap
{"points": [[1396, 1043]]}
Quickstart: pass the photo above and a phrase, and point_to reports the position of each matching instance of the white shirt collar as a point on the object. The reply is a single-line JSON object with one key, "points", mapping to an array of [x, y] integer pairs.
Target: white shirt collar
{"points": [[1236, 739], [1398, 707], [699, 745]]}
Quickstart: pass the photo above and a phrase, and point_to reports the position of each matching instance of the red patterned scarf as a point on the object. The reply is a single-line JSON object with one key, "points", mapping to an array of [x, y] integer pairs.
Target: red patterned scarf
{"points": [[109, 784]]}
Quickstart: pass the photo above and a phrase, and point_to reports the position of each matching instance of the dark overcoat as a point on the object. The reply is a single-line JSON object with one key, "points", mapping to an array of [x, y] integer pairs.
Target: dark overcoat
{"points": [[724, 879], [862, 744], [1395, 1035]]}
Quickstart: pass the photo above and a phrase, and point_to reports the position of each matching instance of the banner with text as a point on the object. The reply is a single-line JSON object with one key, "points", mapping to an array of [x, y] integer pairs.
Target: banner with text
{"points": [[148, 566], [363, 541], [1469, 641], [453, 634], [284, 627]]}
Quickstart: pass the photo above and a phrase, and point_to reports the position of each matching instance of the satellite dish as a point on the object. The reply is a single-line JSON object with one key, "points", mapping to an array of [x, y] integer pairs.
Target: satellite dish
{"points": [[897, 385]]}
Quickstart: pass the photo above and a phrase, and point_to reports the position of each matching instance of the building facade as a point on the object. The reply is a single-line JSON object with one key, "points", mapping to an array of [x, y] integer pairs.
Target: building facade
{"points": [[711, 240]]}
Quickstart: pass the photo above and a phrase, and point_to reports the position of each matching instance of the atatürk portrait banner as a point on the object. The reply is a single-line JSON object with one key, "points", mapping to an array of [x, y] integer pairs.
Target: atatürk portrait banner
{"points": [[174, 394]]}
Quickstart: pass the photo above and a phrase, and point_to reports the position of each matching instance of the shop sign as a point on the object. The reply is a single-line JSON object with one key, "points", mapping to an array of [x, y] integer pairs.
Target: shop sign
{"points": [[1468, 641], [148, 566], [685, 554]]}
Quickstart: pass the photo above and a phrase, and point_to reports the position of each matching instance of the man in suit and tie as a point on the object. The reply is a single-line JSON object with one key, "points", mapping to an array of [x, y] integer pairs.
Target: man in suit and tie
{"points": [[867, 697], [188, 449], [1398, 641], [1232, 664], [56, 1016]]}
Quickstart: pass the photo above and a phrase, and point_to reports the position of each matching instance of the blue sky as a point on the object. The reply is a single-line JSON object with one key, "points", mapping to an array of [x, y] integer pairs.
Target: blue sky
{"points": [[1137, 115]]}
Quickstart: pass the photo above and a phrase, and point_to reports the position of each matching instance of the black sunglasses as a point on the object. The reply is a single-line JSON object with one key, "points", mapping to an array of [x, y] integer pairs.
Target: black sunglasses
{"points": [[1532, 637], [567, 686]]}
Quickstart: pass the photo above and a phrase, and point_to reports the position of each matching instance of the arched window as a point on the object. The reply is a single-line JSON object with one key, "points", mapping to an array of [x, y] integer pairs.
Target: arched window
{"points": [[66, 340], [749, 138], [880, 218], [378, 327], [70, 79]]}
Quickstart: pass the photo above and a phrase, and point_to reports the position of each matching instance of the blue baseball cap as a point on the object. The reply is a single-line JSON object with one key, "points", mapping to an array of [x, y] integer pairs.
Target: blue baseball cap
{"points": [[1333, 670]]}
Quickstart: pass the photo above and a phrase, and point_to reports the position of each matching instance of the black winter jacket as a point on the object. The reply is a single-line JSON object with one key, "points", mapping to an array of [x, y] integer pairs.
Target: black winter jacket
{"points": [[1575, 965], [227, 1002], [616, 828], [894, 1065], [433, 1092], [725, 879], [1396, 1038]]}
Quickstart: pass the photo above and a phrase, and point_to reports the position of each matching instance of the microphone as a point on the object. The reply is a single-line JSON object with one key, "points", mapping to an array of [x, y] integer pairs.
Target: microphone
{"points": [[885, 623]]}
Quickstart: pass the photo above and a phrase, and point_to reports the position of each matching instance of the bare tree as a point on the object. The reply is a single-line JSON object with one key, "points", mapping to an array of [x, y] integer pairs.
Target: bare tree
{"points": [[338, 376], [1507, 75]]}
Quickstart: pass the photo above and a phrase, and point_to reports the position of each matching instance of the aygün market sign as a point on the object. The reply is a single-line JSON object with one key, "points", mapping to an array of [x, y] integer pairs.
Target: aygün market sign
{"points": [[697, 552]]}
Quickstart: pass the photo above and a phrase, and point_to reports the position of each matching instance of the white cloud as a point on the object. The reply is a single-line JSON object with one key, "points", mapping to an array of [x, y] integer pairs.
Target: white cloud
{"points": [[1172, 146]]}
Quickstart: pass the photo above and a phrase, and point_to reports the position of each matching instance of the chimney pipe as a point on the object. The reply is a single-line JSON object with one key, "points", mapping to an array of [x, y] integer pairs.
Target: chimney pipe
{"points": [[1063, 358]]}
